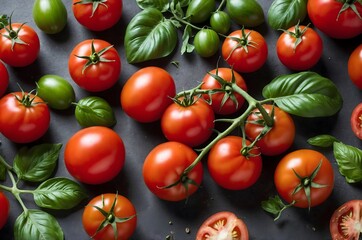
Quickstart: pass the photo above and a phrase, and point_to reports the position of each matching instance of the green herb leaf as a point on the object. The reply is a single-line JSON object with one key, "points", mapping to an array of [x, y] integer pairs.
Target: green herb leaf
{"points": [[36, 164], [323, 140], [305, 94], [284, 14], [186, 46], [161, 5], [37, 225], [349, 160], [59, 193]]}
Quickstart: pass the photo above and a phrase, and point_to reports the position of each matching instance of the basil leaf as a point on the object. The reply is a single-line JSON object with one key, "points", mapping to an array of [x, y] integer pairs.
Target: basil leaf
{"points": [[186, 46], [305, 94], [37, 225], [59, 193], [161, 5], [284, 14], [323, 140], [94, 111], [349, 160], [149, 36], [36, 164]]}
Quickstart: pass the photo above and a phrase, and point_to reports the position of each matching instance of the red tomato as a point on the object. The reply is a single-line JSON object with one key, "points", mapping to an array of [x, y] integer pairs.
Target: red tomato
{"points": [[94, 155], [234, 100], [346, 221], [20, 46], [99, 70], [4, 209], [355, 66], [223, 225], [233, 167], [245, 50], [97, 15], [279, 138], [190, 124], [120, 211], [24, 117], [356, 121], [147, 94], [4, 79], [165, 165], [299, 55], [337, 19], [297, 173]]}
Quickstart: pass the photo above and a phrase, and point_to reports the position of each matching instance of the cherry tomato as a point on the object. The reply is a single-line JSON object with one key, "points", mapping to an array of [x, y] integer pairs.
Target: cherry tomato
{"points": [[4, 79], [304, 176], [223, 225], [232, 166], [24, 117], [19, 45], [354, 66], [234, 100], [279, 138], [189, 124], [346, 221], [119, 211], [356, 121], [206, 42], [163, 171], [147, 94], [200, 10], [337, 19], [245, 50], [220, 21], [248, 13], [94, 65], [4, 209], [94, 155], [97, 15], [299, 48]]}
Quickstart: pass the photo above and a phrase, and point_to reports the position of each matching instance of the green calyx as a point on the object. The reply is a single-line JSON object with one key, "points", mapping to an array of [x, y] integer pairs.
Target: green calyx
{"points": [[13, 35], [242, 42], [96, 4], [297, 34]]}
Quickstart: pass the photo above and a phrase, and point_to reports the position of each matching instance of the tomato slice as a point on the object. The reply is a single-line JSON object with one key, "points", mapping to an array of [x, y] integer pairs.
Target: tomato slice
{"points": [[346, 221], [223, 225], [356, 121]]}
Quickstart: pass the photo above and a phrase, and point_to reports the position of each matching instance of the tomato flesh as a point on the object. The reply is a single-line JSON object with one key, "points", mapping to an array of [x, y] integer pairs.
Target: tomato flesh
{"points": [[356, 121]]}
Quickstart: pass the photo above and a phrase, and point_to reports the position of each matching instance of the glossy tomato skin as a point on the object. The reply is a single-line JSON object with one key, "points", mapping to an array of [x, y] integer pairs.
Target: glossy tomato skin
{"points": [[99, 76], [305, 55], [20, 55], [223, 225], [209, 82], [356, 121], [279, 139], [220, 22], [105, 16], [94, 155], [191, 125], [4, 209], [327, 16], [164, 166], [354, 66], [303, 162], [147, 94], [346, 221], [229, 168], [4, 79], [92, 218], [206, 42], [21, 123]]}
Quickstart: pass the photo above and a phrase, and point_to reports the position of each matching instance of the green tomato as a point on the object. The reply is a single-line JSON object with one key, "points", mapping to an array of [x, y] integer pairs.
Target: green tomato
{"points": [[206, 42], [50, 15], [56, 91], [248, 13], [94, 111], [220, 21], [200, 10]]}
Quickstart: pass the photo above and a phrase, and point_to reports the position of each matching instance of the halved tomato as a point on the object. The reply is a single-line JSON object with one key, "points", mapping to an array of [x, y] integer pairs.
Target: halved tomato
{"points": [[356, 121]]}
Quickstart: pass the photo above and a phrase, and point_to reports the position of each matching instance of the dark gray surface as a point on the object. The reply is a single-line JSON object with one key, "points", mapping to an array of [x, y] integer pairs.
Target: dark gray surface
{"points": [[154, 215]]}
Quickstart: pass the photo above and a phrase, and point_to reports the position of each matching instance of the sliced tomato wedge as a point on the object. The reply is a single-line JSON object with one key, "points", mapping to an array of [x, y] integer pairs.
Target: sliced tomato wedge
{"points": [[356, 121], [223, 226]]}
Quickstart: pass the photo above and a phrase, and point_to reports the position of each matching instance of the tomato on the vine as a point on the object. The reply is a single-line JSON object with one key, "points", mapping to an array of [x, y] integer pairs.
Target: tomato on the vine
{"points": [[147, 93], [305, 177], [245, 50], [94, 65], [277, 139], [354, 66], [206, 42], [356, 121], [223, 225], [24, 117], [4, 209], [346, 221], [233, 164], [4, 79], [164, 171], [109, 216], [228, 101], [94, 155], [97, 15]]}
